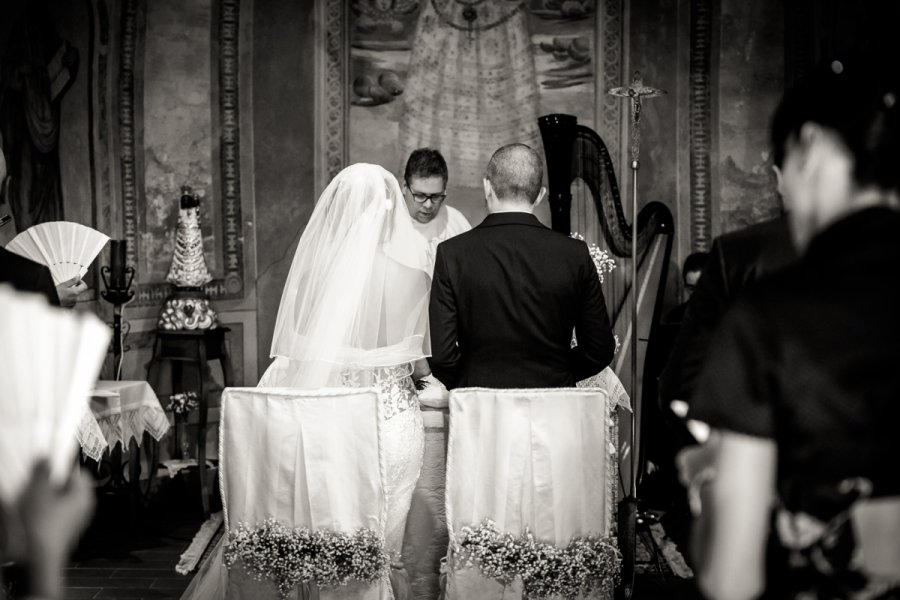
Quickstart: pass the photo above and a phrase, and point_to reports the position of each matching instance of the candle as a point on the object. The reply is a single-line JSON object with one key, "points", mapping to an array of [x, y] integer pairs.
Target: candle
{"points": [[117, 264]]}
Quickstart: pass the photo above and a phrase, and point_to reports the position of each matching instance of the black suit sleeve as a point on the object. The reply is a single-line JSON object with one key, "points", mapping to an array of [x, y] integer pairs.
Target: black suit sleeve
{"points": [[704, 311], [442, 315], [44, 285], [596, 343], [27, 276]]}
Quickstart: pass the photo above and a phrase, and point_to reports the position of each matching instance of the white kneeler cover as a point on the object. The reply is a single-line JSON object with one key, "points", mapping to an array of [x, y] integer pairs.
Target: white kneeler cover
{"points": [[306, 458], [529, 457]]}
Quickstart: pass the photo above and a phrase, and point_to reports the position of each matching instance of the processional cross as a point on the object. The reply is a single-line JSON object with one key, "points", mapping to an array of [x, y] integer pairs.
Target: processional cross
{"points": [[636, 92]]}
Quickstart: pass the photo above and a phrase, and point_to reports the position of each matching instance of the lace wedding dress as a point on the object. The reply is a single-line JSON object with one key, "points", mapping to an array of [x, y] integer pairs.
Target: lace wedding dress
{"points": [[402, 437]]}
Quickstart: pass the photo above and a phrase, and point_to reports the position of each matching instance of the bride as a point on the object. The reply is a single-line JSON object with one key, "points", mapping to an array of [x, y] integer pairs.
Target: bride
{"points": [[354, 313]]}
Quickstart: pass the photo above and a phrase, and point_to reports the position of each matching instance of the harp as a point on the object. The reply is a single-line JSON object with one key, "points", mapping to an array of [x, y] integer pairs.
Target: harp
{"points": [[584, 198]]}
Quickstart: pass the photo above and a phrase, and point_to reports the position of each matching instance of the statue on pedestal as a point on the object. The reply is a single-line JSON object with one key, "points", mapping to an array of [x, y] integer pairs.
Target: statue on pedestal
{"points": [[188, 306]]}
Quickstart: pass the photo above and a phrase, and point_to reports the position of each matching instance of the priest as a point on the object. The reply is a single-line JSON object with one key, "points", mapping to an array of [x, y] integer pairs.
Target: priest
{"points": [[425, 190]]}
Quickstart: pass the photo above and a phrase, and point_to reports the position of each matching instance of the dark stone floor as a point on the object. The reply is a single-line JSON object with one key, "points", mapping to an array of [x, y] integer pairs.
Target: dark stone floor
{"points": [[128, 553], [131, 554]]}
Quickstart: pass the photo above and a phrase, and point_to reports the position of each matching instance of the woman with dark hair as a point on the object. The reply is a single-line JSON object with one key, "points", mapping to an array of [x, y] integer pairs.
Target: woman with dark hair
{"points": [[801, 386]]}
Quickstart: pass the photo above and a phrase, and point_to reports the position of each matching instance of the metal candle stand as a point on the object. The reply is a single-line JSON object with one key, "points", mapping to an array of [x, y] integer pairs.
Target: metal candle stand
{"points": [[117, 280], [118, 293]]}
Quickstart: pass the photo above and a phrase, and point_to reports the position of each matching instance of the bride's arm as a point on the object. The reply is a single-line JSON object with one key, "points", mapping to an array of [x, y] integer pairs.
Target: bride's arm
{"points": [[421, 369]]}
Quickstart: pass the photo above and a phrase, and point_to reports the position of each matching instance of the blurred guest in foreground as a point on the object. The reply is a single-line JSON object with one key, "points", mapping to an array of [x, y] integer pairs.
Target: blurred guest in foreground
{"points": [[40, 531], [801, 383]]}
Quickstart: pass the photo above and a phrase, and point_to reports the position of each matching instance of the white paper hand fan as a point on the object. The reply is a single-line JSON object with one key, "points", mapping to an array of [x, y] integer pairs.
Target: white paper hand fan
{"points": [[49, 361], [67, 248]]}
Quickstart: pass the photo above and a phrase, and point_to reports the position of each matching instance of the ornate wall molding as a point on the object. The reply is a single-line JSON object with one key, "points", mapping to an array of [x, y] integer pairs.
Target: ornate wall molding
{"points": [[230, 152], [102, 127], [699, 124], [127, 162], [332, 106], [608, 117], [91, 72], [227, 21]]}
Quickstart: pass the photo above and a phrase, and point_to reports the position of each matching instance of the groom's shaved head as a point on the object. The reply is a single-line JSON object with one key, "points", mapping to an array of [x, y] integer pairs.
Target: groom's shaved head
{"points": [[515, 172]]}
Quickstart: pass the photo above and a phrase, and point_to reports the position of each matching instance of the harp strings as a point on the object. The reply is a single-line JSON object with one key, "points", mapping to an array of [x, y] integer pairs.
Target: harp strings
{"points": [[590, 218]]}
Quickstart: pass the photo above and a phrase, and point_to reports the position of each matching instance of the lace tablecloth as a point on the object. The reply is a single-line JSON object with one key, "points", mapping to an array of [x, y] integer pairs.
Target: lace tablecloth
{"points": [[608, 381], [120, 411]]}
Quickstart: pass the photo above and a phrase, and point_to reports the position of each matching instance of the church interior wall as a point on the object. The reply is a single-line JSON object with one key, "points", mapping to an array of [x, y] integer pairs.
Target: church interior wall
{"points": [[750, 84], [145, 114], [228, 96], [283, 148], [705, 146]]}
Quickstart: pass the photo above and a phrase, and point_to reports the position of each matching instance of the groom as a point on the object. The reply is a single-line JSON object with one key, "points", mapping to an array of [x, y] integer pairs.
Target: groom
{"points": [[507, 295]]}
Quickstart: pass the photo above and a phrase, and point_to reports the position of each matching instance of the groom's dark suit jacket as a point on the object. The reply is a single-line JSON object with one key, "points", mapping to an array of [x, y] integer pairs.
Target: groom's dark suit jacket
{"points": [[504, 300]]}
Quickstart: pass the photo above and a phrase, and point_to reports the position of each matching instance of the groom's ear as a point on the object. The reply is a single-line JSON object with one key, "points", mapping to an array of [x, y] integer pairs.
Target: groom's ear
{"points": [[540, 198], [488, 192]]}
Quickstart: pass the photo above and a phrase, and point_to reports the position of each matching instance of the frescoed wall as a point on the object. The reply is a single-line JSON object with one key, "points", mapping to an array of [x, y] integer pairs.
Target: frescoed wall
{"points": [[465, 78]]}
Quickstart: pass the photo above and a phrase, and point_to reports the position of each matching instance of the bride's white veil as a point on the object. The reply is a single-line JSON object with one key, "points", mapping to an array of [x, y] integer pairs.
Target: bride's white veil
{"points": [[357, 292]]}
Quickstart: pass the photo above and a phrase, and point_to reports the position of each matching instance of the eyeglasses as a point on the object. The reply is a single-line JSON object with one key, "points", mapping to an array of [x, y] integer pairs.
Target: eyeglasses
{"points": [[420, 198]]}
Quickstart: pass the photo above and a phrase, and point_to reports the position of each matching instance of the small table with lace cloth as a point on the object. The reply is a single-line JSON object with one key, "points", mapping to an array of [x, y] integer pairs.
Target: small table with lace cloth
{"points": [[120, 413]]}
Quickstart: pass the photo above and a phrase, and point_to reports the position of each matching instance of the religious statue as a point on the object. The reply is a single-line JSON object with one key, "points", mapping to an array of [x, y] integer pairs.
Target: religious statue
{"points": [[188, 306]]}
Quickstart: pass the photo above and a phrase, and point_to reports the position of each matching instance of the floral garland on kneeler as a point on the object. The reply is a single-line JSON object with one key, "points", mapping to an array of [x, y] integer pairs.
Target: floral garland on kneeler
{"points": [[290, 557], [585, 565]]}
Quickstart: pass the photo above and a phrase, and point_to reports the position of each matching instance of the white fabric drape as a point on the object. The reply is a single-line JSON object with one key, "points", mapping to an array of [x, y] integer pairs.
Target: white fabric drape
{"points": [[532, 457], [535, 458], [308, 459]]}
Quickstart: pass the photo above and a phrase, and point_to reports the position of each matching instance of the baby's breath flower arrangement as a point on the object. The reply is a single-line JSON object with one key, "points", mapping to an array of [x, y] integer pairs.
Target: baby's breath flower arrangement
{"points": [[604, 264], [290, 557], [183, 402], [602, 260], [585, 565]]}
